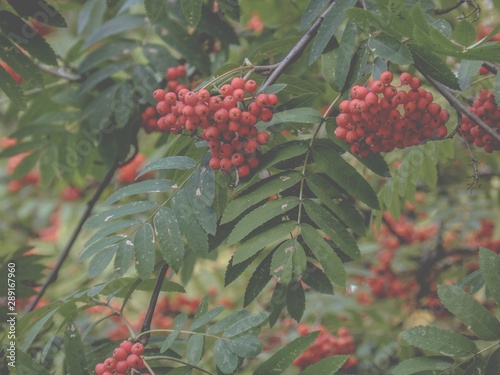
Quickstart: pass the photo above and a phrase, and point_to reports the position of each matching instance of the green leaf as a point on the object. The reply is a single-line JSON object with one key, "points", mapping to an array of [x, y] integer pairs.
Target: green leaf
{"points": [[169, 237], [26, 364], [259, 279], [294, 115], [476, 366], [225, 359], [273, 48], [493, 365], [159, 57], [470, 312], [100, 219], [464, 33], [227, 322], [346, 51], [344, 210], [430, 64], [345, 175], [123, 258], [264, 189], [467, 72], [327, 366], [144, 244], [192, 11], [102, 74], [111, 228], [23, 65], [497, 88], [40, 323], [365, 19], [437, 340], [114, 26], [74, 353], [329, 260], [149, 186], [316, 279], [26, 165], [273, 89], [282, 265], [295, 300], [101, 260], [26, 37], [260, 216], [233, 271], [339, 235], [194, 349], [328, 28], [171, 162], [278, 301], [245, 346], [117, 49], [99, 246], [390, 49], [230, 8], [246, 323], [39, 10], [262, 239], [12, 89], [416, 365], [283, 358], [206, 318], [312, 11], [154, 9], [282, 152], [489, 264], [169, 341]]}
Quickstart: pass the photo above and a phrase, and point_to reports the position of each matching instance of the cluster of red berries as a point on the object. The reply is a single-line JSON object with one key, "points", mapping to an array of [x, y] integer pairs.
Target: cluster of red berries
{"points": [[227, 121], [486, 108], [326, 345], [125, 359], [373, 123]]}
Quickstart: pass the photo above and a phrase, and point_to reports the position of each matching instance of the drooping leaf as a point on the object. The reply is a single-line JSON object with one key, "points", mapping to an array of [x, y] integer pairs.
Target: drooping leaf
{"points": [[470, 312], [114, 26], [149, 186], [329, 260], [154, 9], [98, 246], [231, 8], [26, 37], [39, 10], [417, 365], [294, 115], [245, 346], [171, 162], [283, 358], [259, 279], [440, 341], [159, 57], [144, 251], [328, 28], [169, 237], [260, 216], [390, 49], [273, 48], [100, 219], [327, 366], [312, 11], [227, 321], [167, 343], [278, 302], [110, 228], [192, 11], [13, 57], [489, 264], [282, 265], [206, 318], [76, 361], [12, 89], [467, 72], [194, 349], [264, 238], [123, 257], [336, 231], [26, 165], [246, 323], [346, 51], [345, 175], [464, 33], [476, 366], [226, 360], [365, 19], [283, 152], [264, 189], [233, 271], [493, 365], [100, 75], [295, 300]]}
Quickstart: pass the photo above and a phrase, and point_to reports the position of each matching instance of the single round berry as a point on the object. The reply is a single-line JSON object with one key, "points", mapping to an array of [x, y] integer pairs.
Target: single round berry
{"points": [[120, 354], [237, 159], [238, 83], [135, 362], [386, 77], [99, 369], [250, 86], [243, 170], [126, 345], [137, 348]]}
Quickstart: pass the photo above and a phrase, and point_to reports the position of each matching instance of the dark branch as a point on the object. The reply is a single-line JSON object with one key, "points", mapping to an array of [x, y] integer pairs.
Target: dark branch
{"points": [[438, 12], [460, 107], [146, 325], [64, 254], [297, 50], [490, 67]]}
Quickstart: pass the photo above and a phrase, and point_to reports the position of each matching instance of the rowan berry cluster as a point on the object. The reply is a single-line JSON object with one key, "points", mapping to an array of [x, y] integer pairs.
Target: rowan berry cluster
{"points": [[486, 108], [383, 116], [226, 120], [126, 360], [326, 345]]}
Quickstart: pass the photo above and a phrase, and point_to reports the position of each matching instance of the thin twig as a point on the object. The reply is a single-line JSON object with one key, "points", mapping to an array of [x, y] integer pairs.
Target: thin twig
{"points": [[439, 12], [146, 325], [490, 67], [60, 72], [460, 107], [64, 254], [297, 50]]}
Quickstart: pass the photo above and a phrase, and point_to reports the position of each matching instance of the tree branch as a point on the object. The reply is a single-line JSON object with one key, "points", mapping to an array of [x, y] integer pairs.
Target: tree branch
{"points": [[60, 72], [146, 325], [460, 107], [439, 12], [297, 50], [64, 254]]}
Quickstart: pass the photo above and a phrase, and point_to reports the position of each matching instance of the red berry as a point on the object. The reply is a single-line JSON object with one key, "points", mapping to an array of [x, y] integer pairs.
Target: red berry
{"points": [[137, 348], [99, 369], [181, 71], [262, 138], [214, 163], [415, 83], [122, 366], [239, 95], [238, 83], [191, 98], [134, 361], [237, 159], [119, 354], [250, 86], [226, 90], [405, 78], [273, 99], [127, 345], [386, 77], [266, 115], [262, 100], [243, 170], [109, 363], [226, 165]]}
